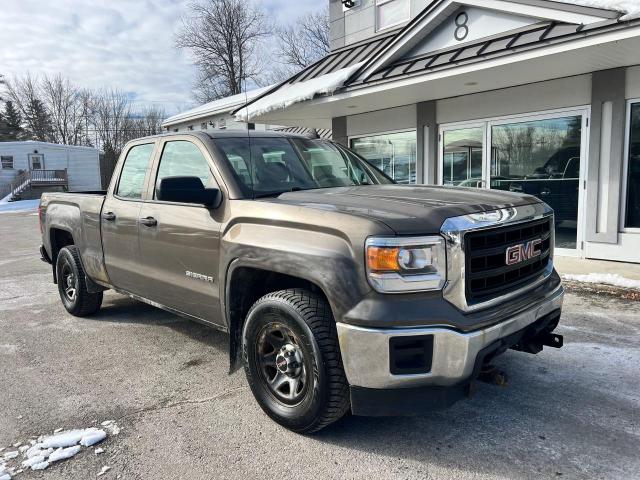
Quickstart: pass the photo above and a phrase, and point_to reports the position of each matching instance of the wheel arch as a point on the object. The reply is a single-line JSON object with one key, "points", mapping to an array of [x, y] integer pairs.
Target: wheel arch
{"points": [[245, 284]]}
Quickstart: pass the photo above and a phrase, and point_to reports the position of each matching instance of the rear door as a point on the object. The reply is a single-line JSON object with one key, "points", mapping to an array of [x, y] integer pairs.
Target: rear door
{"points": [[120, 217], [180, 243]]}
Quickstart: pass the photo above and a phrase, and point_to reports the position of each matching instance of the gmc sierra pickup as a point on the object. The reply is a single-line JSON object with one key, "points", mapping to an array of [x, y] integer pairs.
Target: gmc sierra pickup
{"points": [[339, 289]]}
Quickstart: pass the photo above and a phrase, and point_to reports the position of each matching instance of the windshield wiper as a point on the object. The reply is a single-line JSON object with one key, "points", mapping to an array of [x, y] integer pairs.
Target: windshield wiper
{"points": [[267, 194]]}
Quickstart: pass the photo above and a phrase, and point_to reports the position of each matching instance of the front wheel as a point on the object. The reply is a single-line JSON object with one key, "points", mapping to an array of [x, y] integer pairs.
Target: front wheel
{"points": [[72, 284], [292, 360]]}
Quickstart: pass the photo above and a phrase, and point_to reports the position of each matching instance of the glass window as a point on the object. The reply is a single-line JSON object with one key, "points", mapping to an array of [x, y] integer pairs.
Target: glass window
{"points": [[392, 12], [131, 184], [276, 165], [393, 153], [632, 212], [184, 159], [542, 158], [462, 157], [7, 161]]}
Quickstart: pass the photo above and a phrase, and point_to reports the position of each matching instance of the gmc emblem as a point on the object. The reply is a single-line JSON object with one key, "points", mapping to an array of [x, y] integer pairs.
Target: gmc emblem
{"points": [[524, 251]]}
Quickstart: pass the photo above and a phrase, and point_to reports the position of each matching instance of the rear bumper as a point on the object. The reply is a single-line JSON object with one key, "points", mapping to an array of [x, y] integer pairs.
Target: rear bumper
{"points": [[456, 360]]}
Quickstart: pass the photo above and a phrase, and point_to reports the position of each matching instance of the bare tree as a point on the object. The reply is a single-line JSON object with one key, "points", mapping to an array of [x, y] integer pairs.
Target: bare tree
{"points": [[223, 36], [303, 42], [110, 112], [26, 94], [68, 108]]}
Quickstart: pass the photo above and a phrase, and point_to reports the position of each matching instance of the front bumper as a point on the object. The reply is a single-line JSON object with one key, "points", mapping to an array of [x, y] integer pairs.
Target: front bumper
{"points": [[367, 360]]}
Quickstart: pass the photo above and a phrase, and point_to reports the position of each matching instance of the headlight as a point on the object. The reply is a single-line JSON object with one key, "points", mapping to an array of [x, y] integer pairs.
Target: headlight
{"points": [[406, 264]]}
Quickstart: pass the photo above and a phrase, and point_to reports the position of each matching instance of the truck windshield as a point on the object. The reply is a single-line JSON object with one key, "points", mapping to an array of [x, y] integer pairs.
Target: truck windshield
{"points": [[270, 166]]}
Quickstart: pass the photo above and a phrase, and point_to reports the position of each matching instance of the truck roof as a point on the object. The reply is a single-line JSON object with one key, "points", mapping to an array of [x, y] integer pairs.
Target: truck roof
{"points": [[213, 134]]}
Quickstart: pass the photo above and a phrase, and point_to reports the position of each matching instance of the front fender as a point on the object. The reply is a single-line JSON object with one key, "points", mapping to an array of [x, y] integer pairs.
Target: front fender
{"points": [[328, 261]]}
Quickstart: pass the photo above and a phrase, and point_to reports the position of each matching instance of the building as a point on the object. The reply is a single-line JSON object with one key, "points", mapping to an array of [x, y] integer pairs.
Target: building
{"points": [[30, 168], [215, 115], [533, 96]]}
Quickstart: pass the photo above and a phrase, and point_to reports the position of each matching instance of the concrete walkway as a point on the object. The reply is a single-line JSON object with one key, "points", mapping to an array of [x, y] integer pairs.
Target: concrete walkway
{"points": [[579, 266]]}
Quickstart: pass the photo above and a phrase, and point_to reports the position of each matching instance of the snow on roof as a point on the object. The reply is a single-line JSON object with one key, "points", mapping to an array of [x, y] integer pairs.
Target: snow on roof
{"points": [[222, 105], [291, 93], [627, 7]]}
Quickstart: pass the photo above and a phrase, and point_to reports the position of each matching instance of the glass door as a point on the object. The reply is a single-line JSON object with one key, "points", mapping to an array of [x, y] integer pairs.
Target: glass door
{"points": [[543, 157], [462, 156], [540, 154]]}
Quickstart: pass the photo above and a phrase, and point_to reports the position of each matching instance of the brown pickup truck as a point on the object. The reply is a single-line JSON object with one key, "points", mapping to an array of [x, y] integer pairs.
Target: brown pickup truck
{"points": [[339, 289]]}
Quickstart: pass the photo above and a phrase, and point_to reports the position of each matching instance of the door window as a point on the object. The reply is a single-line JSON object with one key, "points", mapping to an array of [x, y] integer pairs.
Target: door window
{"points": [[542, 158], [632, 213], [184, 159], [134, 171], [36, 161], [462, 157]]}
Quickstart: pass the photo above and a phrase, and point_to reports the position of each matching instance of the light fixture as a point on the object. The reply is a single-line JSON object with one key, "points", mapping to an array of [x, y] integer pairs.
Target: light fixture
{"points": [[471, 84]]}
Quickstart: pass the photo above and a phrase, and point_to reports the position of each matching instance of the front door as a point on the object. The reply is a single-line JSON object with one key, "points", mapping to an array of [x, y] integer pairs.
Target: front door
{"points": [[120, 215], [36, 161], [180, 243]]}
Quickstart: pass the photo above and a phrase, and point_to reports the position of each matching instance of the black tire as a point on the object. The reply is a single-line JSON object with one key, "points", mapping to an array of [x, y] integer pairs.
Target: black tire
{"points": [[322, 391], [72, 284]]}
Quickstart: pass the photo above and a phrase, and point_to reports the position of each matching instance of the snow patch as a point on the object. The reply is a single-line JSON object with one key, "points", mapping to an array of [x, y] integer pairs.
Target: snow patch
{"points": [[628, 7], [104, 470], [48, 449], [290, 94], [605, 279]]}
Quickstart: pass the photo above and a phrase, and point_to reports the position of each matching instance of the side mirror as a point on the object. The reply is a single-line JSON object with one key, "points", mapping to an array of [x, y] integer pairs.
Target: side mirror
{"points": [[187, 190]]}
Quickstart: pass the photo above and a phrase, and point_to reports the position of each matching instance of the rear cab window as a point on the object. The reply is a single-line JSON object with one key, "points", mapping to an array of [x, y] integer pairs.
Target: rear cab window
{"points": [[134, 171]]}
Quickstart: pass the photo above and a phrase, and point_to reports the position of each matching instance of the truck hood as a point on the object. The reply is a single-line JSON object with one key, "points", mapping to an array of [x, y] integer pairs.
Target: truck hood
{"points": [[406, 209]]}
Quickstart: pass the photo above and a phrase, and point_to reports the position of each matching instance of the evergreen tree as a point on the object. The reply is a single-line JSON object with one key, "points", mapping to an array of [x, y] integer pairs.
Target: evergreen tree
{"points": [[10, 123], [38, 122]]}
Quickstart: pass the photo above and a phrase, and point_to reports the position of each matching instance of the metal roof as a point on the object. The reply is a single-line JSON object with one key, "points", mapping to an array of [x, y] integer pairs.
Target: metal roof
{"points": [[532, 36], [325, 133]]}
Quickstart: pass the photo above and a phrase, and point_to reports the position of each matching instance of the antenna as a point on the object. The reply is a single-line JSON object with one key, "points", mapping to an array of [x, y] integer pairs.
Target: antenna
{"points": [[246, 112]]}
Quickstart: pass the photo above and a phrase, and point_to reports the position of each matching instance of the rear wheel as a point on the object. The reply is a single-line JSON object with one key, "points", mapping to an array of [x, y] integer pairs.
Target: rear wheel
{"points": [[72, 284], [292, 360]]}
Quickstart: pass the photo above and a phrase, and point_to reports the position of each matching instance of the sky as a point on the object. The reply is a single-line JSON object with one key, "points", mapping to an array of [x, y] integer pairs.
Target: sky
{"points": [[125, 44]]}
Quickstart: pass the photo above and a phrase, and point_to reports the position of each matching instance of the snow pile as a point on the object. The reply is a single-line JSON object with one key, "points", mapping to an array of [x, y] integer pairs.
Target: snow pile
{"points": [[289, 94], [605, 279], [19, 206], [628, 7], [48, 449]]}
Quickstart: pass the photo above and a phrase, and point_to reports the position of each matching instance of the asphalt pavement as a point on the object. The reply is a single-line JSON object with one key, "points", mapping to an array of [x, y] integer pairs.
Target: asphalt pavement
{"points": [[569, 413]]}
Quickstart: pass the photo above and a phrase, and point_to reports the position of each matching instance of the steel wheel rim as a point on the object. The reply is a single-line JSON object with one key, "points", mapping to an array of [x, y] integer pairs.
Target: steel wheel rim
{"points": [[277, 350], [69, 282]]}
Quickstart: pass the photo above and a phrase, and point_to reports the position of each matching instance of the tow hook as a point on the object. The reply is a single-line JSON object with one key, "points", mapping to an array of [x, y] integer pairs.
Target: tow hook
{"points": [[552, 340], [493, 375]]}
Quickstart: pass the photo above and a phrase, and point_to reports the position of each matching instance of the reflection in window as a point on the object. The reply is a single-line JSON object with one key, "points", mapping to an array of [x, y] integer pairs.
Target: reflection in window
{"points": [[542, 158], [462, 157], [135, 167], [632, 215], [184, 159], [393, 153]]}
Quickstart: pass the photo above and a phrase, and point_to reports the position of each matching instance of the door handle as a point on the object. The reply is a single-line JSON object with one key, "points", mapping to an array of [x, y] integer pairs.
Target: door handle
{"points": [[149, 221], [109, 216]]}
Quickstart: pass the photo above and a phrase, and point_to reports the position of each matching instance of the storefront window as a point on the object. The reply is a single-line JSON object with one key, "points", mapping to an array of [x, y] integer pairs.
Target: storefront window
{"points": [[462, 155], [632, 212], [393, 153], [542, 158]]}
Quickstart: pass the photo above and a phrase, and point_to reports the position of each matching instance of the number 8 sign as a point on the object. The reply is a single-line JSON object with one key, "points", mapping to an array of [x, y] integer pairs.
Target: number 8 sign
{"points": [[462, 30]]}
